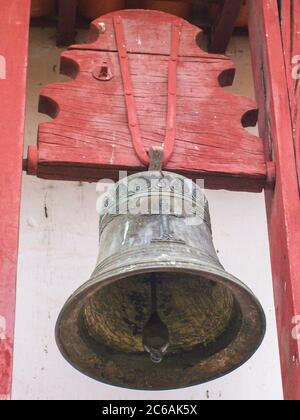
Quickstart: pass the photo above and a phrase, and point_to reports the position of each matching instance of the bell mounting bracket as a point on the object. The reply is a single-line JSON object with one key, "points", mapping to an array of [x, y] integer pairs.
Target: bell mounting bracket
{"points": [[143, 82]]}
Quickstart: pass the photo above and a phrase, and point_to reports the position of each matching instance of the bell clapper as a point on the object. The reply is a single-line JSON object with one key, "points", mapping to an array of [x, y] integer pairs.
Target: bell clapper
{"points": [[155, 332]]}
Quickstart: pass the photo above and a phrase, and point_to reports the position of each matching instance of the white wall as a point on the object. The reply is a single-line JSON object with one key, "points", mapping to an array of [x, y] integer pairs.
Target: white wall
{"points": [[58, 253]]}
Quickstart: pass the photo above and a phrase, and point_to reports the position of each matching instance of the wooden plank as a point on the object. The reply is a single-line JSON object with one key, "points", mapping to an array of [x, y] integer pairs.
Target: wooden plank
{"points": [[224, 26], [66, 31], [283, 204], [290, 27], [137, 35], [14, 24], [90, 137]]}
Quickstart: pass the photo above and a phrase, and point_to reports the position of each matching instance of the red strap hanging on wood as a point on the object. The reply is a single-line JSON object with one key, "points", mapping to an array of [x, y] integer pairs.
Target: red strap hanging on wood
{"points": [[169, 142]]}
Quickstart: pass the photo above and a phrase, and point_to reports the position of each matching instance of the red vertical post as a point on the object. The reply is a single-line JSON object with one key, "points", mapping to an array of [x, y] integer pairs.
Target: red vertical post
{"points": [[283, 202], [14, 24], [290, 28]]}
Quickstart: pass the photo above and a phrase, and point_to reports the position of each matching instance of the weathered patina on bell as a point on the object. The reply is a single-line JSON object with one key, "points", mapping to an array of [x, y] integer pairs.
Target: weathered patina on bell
{"points": [[159, 312]]}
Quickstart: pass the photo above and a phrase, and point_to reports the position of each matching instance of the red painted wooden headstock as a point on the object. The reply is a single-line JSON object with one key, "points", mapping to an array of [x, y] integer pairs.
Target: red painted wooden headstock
{"points": [[89, 137]]}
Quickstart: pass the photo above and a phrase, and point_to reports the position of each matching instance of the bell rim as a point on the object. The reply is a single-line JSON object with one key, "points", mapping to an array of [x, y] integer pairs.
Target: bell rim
{"points": [[219, 276]]}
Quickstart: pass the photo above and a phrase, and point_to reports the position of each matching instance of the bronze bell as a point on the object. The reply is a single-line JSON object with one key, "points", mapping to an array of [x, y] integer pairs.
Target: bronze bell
{"points": [[159, 312]]}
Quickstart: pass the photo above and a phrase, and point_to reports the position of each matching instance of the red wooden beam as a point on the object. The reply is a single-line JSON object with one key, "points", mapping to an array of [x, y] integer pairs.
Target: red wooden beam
{"points": [[283, 204], [224, 25], [290, 27], [14, 24]]}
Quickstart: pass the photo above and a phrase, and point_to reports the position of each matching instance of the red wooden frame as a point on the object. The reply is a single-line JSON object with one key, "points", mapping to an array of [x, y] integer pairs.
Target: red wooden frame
{"points": [[283, 204], [290, 27], [276, 127], [14, 24]]}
